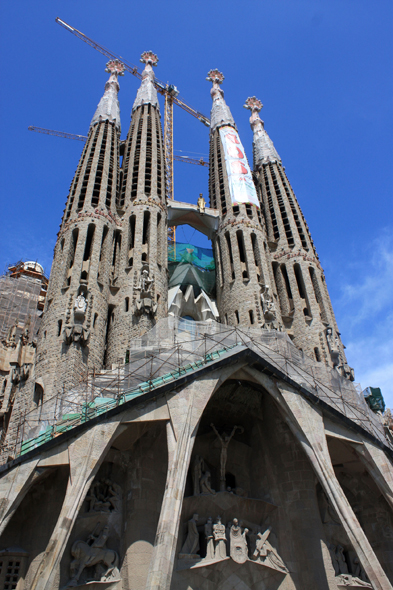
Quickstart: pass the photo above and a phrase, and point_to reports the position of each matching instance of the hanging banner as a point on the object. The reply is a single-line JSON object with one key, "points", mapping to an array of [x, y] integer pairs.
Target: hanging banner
{"points": [[240, 181]]}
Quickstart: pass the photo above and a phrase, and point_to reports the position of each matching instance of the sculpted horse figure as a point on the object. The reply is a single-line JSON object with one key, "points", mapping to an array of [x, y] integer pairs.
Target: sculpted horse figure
{"points": [[93, 552]]}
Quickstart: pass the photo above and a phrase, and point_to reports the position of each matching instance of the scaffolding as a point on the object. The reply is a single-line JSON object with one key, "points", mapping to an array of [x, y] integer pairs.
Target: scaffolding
{"points": [[22, 296], [176, 348]]}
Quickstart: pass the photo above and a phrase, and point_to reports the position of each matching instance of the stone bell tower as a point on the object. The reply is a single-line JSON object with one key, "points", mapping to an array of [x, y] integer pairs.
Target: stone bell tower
{"points": [[299, 280], [139, 286], [243, 274], [72, 333]]}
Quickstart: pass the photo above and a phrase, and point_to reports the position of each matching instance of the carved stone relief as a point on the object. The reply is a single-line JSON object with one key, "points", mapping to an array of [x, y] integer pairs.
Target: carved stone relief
{"points": [[104, 496], [233, 541], [94, 553]]}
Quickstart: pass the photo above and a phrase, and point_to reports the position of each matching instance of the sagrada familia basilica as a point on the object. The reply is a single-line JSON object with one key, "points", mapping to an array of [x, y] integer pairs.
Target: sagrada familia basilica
{"points": [[186, 419]]}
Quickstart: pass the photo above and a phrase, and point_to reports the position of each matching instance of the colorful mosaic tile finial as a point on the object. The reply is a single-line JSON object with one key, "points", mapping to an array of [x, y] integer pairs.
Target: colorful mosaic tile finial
{"points": [[215, 76], [148, 57], [114, 66]]}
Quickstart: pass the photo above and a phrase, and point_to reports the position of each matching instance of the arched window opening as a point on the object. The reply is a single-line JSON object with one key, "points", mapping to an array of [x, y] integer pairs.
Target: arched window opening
{"points": [[59, 326], [126, 304], [229, 246], [38, 394], [302, 288], [242, 254]]}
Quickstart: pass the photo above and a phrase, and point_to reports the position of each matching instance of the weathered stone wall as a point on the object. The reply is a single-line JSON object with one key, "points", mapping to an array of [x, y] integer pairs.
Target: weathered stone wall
{"points": [[143, 245]]}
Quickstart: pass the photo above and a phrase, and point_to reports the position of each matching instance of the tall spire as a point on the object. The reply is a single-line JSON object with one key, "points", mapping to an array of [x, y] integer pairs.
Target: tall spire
{"points": [[147, 93], [220, 113], [108, 108], [264, 150]]}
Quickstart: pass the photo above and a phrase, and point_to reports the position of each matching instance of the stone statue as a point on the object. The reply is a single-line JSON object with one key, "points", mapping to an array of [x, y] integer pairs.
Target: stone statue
{"points": [[359, 571], [201, 203], [265, 552], [145, 282], [197, 470], [91, 553], [342, 564], [80, 304], [220, 539], [104, 496], [268, 305], [333, 346], [209, 539], [238, 542], [113, 495], [191, 545], [205, 484], [333, 555], [225, 439]]}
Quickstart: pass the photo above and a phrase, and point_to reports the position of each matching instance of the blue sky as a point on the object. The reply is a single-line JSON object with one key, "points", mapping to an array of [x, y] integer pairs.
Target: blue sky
{"points": [[323, 70]]}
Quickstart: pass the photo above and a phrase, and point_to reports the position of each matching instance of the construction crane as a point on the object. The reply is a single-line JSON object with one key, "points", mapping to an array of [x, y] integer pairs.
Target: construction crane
{"points": [[169, 91], [186, 159]]}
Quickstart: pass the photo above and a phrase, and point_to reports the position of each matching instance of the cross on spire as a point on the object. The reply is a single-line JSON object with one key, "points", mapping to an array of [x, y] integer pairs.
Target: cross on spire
{"points": [[114, 66], [148, 57]]}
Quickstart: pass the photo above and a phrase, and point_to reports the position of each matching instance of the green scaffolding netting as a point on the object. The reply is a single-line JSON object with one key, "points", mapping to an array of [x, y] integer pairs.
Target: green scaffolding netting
{"points": [[192, 265], [195, 255]]}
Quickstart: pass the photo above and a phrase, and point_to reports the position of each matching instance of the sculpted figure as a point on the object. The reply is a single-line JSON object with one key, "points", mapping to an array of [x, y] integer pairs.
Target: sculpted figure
{"points": [[220, 539], [333, 345], [113, 495], [268, 305], [265, 552], [201, 203], [197, 473], [80, 304], [205, 484], [191, 545], [94, 552], [209, 539], [342, 564], [145, 282], [238, 542], [225, 439]]}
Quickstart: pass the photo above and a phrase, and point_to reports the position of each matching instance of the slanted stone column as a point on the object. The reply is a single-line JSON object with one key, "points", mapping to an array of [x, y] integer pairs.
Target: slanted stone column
{"points": [[86, 455], [378, 466], [13, 488], [306, 423]]}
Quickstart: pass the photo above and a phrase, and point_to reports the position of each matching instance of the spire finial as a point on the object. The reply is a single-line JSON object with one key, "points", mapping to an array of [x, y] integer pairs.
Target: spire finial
{"points": [[149, 58], [254, 105], [147, 93], [264, 150], [114, 66], [108, 108], [216, 77], [220, 115]]}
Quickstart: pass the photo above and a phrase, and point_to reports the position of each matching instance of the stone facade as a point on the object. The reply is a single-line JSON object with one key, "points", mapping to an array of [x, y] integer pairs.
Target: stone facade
{"points": [[143, 451]]}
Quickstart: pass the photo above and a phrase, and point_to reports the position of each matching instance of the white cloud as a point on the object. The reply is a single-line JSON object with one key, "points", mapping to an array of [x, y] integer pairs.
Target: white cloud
{"points": [[365, 315]]}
